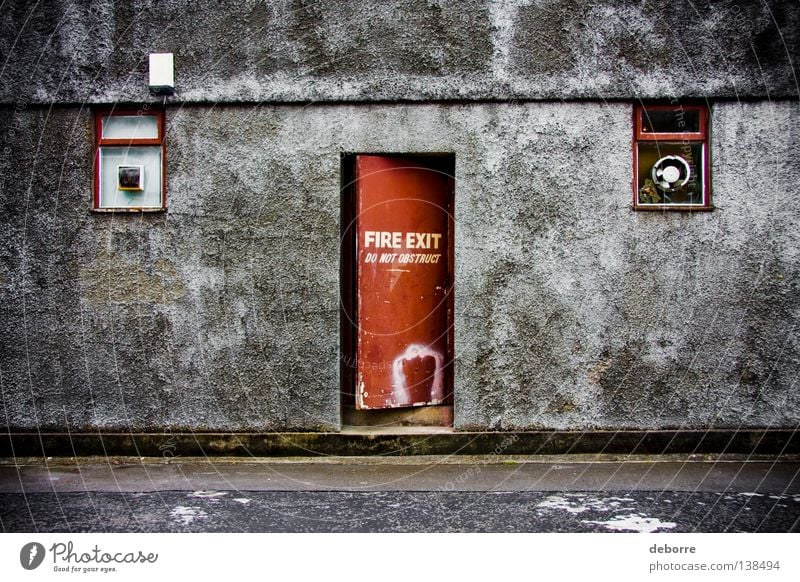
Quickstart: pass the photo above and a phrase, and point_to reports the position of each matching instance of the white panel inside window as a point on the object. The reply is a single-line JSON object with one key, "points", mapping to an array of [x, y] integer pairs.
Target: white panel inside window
{"points": [[130, 127], [115, 195]]}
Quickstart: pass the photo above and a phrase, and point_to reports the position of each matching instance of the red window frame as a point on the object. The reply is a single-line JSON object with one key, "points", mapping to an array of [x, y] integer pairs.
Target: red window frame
{"points": [[689, 137], [100, 141]]}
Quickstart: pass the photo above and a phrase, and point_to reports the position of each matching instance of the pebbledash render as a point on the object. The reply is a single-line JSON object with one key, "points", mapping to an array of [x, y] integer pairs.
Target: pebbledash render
{"points": [[623, 214]]}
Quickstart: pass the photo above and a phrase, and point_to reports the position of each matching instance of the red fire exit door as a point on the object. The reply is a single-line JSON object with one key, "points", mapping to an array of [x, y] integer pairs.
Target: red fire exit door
{"points": [[403, 278]]}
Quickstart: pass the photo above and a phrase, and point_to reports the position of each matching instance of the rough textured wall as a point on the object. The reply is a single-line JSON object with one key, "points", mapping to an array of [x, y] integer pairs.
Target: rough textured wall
{"points": [[572, 311], [575, 312], [221, 314], [299, 50]]}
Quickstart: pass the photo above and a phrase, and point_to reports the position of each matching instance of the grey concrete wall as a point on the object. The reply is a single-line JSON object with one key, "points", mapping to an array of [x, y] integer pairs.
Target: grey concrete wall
{"points": [[333, 50], [572, 311], [220, 314], [575, 312]]}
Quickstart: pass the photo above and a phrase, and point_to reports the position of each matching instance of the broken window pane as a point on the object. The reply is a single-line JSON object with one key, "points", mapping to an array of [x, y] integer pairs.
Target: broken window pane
{"points": [[670, 173], [675, 120]]}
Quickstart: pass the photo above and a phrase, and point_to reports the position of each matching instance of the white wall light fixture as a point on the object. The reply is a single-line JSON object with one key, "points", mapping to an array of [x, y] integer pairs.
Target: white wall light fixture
{"points": [[162, 74]]}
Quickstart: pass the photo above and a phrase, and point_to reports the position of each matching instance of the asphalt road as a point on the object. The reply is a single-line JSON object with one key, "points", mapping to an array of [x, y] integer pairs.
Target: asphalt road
{"points": [[400, 495], [398, 511]]}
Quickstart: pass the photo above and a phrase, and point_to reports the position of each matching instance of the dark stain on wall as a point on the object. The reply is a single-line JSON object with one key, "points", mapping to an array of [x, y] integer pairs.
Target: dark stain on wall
{"points": [[401, 50]]}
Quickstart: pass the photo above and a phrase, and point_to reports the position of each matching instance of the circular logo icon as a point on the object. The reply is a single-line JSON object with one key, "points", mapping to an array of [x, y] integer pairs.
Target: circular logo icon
{"points": [[31, 555]]}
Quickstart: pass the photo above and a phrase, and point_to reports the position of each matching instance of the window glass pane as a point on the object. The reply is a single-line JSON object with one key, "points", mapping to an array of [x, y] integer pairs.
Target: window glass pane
{"points": [[677, 120], [130, 127], [130, 177], [670, 173]]}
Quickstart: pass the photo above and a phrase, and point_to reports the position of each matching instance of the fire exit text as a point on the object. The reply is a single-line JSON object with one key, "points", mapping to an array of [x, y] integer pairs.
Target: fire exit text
{"points": [[378, 239]]}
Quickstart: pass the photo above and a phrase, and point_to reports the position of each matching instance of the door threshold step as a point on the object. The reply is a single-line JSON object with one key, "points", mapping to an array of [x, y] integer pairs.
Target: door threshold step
{"points": [[398, 430]]}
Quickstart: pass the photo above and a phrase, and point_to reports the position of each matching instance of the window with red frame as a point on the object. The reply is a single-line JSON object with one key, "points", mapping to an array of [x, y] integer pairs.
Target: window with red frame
{"points": [[129, 161], [671, 157]]}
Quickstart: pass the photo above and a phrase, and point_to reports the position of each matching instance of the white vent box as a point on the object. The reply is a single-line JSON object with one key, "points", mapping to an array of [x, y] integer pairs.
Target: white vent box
{"points": [[162, 73]]}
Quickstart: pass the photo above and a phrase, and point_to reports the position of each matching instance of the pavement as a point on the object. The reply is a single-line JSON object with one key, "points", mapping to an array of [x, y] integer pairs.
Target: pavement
{"points": [[457, 493]]}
